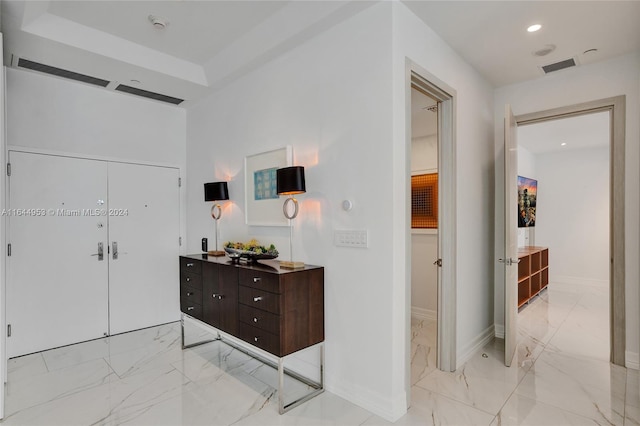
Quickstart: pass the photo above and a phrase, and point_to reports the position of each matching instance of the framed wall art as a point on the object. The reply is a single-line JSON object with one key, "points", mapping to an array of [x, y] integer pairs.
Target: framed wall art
{"points": [[262, 203], [424, 201]]}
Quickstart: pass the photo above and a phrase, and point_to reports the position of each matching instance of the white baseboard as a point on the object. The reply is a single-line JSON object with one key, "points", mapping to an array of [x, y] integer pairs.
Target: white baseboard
{"points": [[632, 360], [564, 279], [423, 314], [475, 345], [499, 331], [390, 410]]}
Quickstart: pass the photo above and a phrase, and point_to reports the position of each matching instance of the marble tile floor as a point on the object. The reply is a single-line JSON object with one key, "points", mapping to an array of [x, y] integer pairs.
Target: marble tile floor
{"points": [[561, 376]]}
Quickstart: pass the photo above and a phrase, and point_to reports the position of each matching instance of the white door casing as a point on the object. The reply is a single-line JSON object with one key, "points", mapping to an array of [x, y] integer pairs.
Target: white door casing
{"points": [[511, 237], [56, 286], [144, 223]]}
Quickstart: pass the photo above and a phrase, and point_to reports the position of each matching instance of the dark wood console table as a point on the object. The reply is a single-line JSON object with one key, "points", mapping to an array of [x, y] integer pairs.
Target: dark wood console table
{"points": [[280, 311]]}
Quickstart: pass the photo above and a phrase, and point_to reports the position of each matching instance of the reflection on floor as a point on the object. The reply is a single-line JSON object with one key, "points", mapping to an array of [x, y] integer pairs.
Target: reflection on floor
{"points": [[562, 377]]}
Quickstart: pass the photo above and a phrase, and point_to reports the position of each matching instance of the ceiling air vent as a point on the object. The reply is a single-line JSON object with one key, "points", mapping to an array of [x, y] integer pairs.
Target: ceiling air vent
{"points": [[59, 72], [567, 63], [150, 95]]}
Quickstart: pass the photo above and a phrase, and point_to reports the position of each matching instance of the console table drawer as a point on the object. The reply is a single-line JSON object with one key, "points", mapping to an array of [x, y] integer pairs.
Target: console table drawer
{"points": [[260, 299], [191, 266], [190, 279], [260, 280], [190, 294], [260, 338], [190, 308], [261, 319]]}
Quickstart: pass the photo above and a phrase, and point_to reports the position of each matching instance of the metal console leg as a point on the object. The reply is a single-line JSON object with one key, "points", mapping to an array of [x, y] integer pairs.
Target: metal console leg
{"points": [[318, 387], [191, 345]]}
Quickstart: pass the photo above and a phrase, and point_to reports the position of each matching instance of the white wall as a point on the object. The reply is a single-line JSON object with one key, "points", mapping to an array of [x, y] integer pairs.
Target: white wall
{"points": [[572, 218], [424, 242], [54, 114], [526, 168], [331, 100], [619, 76], [339, 100]]}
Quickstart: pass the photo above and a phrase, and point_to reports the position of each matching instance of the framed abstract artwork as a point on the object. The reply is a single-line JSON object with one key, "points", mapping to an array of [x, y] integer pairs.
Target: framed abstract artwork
{"points": [[262, 203], [424, 201]]}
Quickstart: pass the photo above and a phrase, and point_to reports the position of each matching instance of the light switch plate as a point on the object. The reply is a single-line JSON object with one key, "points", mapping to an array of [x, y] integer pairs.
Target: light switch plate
{"points": [[351, 238]]}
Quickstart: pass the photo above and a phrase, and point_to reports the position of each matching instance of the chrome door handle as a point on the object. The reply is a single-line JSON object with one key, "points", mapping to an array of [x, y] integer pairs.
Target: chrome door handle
{"points": [[114, 246], [257, 299], [509, 261], [100, 252]]}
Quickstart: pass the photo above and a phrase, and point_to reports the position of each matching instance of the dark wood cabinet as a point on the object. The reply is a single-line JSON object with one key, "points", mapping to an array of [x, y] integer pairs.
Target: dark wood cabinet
{"points": [[278, 310], [191, 288]]}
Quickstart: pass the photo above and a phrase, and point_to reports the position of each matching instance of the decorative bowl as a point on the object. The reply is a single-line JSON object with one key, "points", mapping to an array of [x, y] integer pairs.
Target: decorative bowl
{"points": [[255, 252]]}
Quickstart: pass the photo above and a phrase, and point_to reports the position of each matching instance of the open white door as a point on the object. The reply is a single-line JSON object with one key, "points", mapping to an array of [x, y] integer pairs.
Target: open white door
{"points": [[510, 259]]}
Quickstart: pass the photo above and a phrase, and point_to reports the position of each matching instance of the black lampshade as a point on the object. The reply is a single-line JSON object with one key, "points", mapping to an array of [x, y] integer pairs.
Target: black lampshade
{"points": [[291, 180], [215, 191]]}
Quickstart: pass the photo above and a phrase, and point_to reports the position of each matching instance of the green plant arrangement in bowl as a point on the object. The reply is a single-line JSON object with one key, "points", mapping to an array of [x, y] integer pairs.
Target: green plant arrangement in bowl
{"points": [[250, 251]]}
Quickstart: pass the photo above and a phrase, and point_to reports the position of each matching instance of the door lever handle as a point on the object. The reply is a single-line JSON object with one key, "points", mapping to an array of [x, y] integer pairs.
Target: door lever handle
{"points": [[100, 252], [438, 262], [509, 261], [114, 245]]}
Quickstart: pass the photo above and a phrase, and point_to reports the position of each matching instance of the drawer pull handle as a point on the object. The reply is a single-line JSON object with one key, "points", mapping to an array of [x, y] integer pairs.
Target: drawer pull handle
{"points": [[255, 339], [256, 279], [188, 279], [189, 265], [190, 308], [255, 319], [189, 293], [214, 295], [220, 297], [257, 299]]}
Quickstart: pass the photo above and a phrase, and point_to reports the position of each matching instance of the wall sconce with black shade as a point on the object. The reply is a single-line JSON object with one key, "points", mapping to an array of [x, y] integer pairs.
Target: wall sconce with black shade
{"points": [[216, 191], [290, 181]]}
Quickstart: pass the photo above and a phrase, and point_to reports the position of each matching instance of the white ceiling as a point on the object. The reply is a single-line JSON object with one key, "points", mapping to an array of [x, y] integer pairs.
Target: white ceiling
{"points": [[423, 121], [492, 36], [584, 131], [205, 45], [210, 43]]}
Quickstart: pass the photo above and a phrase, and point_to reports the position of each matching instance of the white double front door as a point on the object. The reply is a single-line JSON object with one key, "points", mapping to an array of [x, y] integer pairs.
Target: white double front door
{"points": [[93, 249]]}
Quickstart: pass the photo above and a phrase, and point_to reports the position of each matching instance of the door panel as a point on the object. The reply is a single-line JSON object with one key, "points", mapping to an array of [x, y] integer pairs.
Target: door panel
{"points": [[511, 236], [144, 223], [56, 287]]}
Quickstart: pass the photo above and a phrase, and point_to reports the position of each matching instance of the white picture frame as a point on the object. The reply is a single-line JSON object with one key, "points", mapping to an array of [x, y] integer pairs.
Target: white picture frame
{"points": [[263, 206]]}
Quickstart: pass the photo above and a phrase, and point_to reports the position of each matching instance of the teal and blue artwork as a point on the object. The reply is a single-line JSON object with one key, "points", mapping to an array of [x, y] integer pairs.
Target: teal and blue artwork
{"points": [[265, 184]]}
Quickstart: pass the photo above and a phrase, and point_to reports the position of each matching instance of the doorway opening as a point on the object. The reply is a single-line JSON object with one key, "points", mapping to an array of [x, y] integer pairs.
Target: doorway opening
{"points": [[424, 233], [615, 109], [569, 160], [438, 103]]}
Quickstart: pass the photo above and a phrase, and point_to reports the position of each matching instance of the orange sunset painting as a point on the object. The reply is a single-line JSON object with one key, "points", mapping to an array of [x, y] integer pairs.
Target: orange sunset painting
{"points": [[527, 198]]}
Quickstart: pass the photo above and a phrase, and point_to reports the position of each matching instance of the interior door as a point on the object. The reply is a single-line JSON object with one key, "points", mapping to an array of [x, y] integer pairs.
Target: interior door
{"points": [[56, 282], [510, 259], [144, 230]]}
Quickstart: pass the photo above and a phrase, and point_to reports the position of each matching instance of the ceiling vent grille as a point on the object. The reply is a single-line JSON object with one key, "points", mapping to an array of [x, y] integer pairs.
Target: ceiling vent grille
{"points": [[59, 72], [150, 95], [567, 63]]}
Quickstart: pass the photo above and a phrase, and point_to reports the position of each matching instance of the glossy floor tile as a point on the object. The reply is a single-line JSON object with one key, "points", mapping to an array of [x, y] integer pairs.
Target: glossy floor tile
{"points": [[560, 376]]}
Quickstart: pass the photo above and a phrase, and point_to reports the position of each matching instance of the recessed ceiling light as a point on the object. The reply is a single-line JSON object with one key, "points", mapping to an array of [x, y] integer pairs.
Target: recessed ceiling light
{"points": [[563, 144], [534, 28]]}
